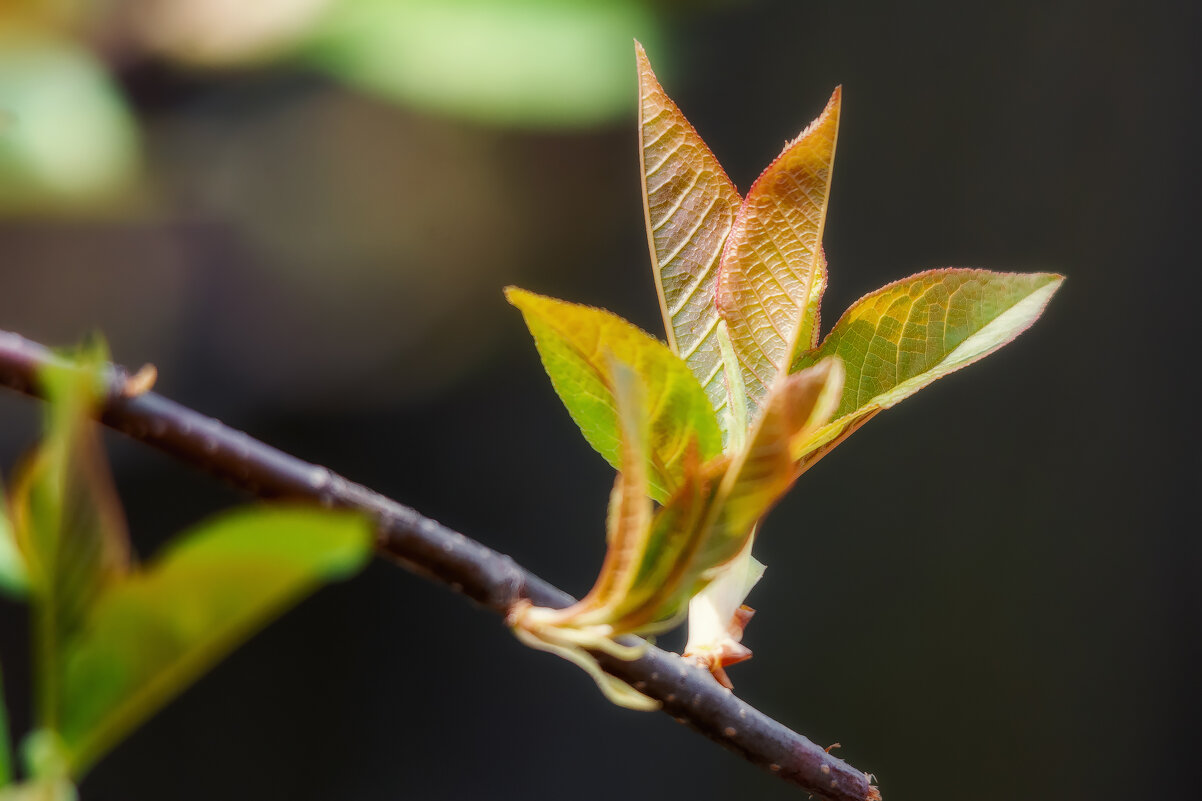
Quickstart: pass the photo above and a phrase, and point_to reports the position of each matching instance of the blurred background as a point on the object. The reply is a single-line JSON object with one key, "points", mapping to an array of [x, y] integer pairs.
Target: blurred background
{"points": [[303, 211]]}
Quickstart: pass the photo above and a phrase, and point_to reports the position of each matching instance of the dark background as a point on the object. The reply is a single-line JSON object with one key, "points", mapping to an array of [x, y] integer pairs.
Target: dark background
{"points": [[993, 591]]}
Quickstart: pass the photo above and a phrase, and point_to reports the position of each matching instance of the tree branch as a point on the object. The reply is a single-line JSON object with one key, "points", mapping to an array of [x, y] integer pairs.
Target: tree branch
{"points": [[687, 693]]}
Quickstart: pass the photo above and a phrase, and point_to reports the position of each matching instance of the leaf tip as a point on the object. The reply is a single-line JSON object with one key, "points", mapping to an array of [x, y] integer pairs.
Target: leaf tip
{"points": [[647, 77], [830, 113], [516, 295]]}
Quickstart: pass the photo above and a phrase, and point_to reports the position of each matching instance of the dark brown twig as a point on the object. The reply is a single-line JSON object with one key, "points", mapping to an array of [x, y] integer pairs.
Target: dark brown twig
{"points": [[687, 693]]}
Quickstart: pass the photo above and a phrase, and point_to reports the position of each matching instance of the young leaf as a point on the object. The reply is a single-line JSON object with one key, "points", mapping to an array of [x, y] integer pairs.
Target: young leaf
{"points": [[643, 550], [589, 624], [717, 616], [667, 566], [630, 504], [811, 318], [797, 406], [902, 337], [762, 473], [159, 629], [67, 520], [578, 346], [690, 206], [773, 252], [711, 519]]}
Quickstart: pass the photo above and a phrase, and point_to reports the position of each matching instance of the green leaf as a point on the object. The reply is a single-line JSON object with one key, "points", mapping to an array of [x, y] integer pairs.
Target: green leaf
{"points": [[774, 252], [45, 761], [666, 568], [902, 337], [578, 346], [67, 519], [66, 133], [643, 551], [811, 318], [14, 579], [157, 631], [653, 567], [528, 63], [690, 206], [710, 519], [761, 473]]}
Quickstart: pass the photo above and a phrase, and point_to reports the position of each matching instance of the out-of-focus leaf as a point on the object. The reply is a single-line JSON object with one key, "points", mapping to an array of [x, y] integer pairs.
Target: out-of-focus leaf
{"points": [[67, 519], [690, 206], [13, 579], [50, 790], [45, 760], [902, 337], [221, 32], [6, 743], [579, 345], [773, 252], [66, 134], [543, 63], [154, 633]]}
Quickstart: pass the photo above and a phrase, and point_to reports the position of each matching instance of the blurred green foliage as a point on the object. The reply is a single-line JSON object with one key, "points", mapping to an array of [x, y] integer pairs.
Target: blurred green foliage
{"points": [[165, 625], [66, 132], [12, 567], [69, 137], [115, 641], [532, 63]]}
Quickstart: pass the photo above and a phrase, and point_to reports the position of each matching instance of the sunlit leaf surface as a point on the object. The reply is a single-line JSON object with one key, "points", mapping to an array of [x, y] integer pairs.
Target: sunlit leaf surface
{"points": [[773, 252], [690, 206], [579, 346], [902, 337], [155, 632]]}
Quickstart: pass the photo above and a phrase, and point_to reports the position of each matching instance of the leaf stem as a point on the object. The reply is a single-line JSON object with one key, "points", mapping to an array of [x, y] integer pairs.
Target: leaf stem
{"points": [[424, 546]]}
